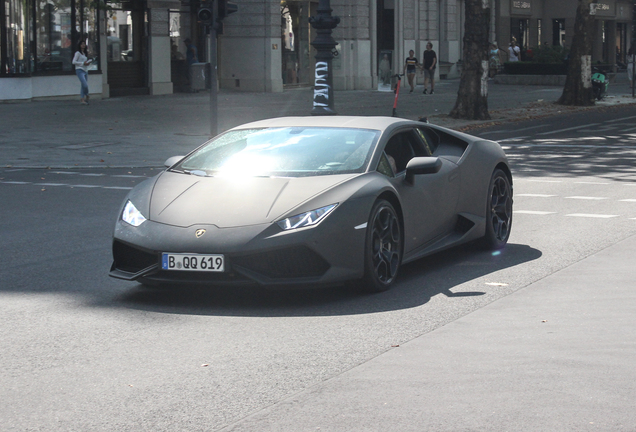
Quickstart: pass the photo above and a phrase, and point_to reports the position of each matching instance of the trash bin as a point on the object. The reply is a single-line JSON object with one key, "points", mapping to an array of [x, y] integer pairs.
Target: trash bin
{"points": [[198, 75]]}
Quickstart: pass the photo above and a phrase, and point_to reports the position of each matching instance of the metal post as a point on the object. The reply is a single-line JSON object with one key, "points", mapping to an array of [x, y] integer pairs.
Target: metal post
{"points": [[324, 23], [214, 123]]}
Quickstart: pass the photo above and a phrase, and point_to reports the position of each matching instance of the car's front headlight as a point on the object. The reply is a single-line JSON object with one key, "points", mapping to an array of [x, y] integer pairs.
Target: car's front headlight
{"points": [[131, 215], [309, 218]]}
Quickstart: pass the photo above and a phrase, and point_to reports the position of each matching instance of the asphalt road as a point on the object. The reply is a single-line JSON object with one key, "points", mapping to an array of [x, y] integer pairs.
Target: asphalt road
{"points": [[82, 351]]}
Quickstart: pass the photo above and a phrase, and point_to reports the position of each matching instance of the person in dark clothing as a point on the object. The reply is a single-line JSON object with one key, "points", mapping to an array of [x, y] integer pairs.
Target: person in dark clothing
{"points": [[191, 58], [430, 63]]}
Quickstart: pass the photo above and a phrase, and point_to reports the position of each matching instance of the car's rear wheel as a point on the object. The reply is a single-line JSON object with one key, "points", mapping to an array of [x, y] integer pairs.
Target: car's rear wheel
{"points": [[383, 251], [498, 211]]}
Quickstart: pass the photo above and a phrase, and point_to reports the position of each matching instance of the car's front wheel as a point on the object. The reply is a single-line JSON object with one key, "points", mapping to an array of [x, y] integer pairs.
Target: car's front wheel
{"points": [[498, 211], [383, 251]]}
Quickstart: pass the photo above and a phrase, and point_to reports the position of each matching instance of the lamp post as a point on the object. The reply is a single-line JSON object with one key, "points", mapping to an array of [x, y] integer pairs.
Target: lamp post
{"points": [[324, 23]]}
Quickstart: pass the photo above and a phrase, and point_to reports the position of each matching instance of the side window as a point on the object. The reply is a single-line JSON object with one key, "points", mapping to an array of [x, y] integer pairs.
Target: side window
{"points": [[430, 140], [402, 147], [386, 166]]}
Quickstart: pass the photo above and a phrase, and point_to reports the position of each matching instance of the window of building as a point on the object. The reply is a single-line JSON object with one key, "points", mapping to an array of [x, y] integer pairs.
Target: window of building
{"points": [[41, 36], [558, 32], [14, 39]]}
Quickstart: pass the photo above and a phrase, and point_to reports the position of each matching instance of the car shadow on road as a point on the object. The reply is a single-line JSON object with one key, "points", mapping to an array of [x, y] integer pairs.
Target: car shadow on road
{"points": [[418, 282]]}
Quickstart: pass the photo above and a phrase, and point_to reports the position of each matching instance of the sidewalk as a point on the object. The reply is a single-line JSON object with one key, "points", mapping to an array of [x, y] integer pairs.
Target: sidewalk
{"points": [[557, 355], [142, 131]]}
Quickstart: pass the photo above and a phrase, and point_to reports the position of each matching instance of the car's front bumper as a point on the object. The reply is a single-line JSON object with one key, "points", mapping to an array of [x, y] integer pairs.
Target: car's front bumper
{"points": [[260, 254]]}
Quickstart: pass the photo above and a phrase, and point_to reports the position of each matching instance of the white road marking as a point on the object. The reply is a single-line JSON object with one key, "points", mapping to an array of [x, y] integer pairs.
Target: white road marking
{"points": [[535, 195], [568, 129], [590, 183], [513, 130], [533, 212], [620, 119], [590, 215], [574, 146], [586, 198], [69, 185], [628, 200], [514, 139]]}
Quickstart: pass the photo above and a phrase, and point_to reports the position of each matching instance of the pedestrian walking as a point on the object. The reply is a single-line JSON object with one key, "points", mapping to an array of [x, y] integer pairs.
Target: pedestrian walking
{"points": [[631, 58], [430, 64], [410, 67], [191, 58], [494, 62], [514, 52], [81, 62]]}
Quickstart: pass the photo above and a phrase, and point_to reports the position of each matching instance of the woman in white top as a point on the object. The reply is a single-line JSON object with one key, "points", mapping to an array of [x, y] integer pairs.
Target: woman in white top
{"points": [[514, 52], [81, 62]]}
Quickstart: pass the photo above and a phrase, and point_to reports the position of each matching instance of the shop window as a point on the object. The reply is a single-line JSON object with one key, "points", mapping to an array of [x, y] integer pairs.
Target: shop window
{"points": [[41, 36], [16, 58], [119, 27], [520, 31], [54, 36]]}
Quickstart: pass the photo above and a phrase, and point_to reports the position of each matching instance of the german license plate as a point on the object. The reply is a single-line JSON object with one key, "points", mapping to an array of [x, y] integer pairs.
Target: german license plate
{"points": [[192, 262]]}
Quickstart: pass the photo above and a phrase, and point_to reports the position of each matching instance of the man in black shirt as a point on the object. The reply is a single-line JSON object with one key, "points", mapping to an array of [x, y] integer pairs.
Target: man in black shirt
{"points": [[430, 62]]}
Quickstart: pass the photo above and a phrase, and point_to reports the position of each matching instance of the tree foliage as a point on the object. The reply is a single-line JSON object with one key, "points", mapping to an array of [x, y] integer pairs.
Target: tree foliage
{"points": [[472, 97]]}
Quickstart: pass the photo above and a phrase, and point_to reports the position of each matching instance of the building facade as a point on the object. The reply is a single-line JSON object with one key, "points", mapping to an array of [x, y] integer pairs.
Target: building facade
{"points": [[540, 22], [139, 48]]}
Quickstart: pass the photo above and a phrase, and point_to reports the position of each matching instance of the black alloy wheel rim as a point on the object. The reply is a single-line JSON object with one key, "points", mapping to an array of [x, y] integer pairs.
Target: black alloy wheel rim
{"points": [[386, 239], [501, 209]]}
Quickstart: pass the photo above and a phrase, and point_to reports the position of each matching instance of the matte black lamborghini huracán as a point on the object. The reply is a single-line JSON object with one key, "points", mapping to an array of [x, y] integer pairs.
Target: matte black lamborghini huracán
{"points": [[313, 200]]}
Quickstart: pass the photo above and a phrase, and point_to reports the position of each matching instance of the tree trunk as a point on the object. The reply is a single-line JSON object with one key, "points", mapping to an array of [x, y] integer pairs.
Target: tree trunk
{"points": [[578, 84], [472, 97]]}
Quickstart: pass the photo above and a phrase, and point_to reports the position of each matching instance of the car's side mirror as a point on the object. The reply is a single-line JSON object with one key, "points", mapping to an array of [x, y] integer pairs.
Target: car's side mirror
{"points": [[173, 160], [422, 165]]}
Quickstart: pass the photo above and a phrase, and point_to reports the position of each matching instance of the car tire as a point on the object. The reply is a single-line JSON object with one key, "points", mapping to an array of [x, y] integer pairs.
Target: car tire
{"points": [[383, 248], [498, 211]]}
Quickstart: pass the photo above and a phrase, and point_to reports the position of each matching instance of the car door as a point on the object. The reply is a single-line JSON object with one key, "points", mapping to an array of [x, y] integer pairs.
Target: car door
{"points": [[429, 203]]}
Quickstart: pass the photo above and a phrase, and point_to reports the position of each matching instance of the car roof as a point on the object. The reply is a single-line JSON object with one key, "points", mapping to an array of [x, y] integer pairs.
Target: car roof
{"points": [[357, 122]]}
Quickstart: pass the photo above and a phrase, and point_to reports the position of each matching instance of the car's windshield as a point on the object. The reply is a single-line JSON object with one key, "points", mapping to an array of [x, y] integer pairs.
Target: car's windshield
{"points": [[284, 151]]}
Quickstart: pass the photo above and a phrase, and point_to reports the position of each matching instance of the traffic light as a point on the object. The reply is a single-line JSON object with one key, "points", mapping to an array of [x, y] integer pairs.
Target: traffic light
{"points": [[205, 14], [212, 13], [225, 8]]}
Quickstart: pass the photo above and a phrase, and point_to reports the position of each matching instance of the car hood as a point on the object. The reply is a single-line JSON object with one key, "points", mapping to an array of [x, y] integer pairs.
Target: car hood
{"points": [[186, 200]]}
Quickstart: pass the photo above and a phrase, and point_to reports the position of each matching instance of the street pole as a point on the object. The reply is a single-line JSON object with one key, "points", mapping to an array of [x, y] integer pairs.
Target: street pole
{"points": [[324, 23], [214, 122]]}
